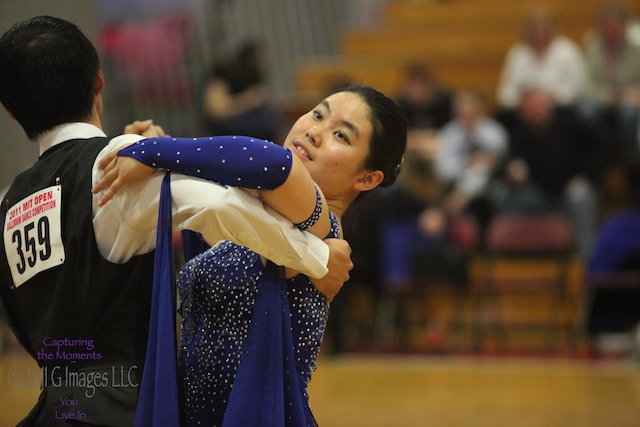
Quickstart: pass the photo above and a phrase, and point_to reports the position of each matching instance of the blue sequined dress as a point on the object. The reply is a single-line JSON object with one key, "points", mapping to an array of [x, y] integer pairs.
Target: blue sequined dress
{"points": [[219, 290], [250, 337]]}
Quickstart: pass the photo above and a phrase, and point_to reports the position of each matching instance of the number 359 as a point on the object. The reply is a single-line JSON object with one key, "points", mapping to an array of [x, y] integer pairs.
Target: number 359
{"points": [[32, 243]]}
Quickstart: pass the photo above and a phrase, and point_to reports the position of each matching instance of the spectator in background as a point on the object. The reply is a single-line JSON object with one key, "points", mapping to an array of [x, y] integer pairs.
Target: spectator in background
{"points": [[470, 149], [414, 201], [427, 105], [236, 97], [437, 185], [426, 102], [555, 163], [612, 92], [543, 58]]}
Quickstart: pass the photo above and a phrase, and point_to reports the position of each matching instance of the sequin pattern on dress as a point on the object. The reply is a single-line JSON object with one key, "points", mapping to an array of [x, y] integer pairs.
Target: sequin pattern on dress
{"points": [[309, 311], [218, 290]]}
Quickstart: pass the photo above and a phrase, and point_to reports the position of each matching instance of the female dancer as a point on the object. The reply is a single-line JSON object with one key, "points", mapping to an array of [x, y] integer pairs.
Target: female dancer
{"points": [[239, 313]]}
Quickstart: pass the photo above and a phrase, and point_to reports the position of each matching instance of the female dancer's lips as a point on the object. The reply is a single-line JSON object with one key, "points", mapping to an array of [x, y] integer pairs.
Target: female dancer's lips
{"points": [[302, 151]]}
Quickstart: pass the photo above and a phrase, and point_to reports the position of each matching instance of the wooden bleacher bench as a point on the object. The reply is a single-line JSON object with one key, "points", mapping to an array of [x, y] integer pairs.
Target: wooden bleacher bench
{"points": [[463, 41]]}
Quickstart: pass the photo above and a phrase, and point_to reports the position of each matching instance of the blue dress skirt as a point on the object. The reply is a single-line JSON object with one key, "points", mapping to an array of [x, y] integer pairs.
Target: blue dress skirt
{"points": [[249, 341]]}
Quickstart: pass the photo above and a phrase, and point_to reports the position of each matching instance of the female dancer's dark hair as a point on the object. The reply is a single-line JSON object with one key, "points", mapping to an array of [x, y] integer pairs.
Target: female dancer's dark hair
{"points": [[389, 137]]}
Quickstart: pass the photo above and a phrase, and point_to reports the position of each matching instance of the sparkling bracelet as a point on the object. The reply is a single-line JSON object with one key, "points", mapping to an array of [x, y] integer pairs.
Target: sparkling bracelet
{"points": [[314, 216]]}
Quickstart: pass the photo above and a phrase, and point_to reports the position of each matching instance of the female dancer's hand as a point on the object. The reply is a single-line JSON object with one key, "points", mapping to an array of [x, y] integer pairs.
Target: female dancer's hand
{"points": [[118, 171], [339, 266]]}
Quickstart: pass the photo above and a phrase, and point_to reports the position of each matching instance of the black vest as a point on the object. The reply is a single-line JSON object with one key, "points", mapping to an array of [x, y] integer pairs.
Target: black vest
{"points": [[86, 320]]}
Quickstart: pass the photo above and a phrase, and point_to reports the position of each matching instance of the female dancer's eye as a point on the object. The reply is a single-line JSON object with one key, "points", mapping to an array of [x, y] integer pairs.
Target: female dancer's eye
{"points": [[343, 136], [317, 114]]}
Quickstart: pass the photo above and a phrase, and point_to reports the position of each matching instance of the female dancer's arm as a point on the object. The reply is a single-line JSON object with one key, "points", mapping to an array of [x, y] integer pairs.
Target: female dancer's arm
{"points": [[238, 161], [293, 196]]}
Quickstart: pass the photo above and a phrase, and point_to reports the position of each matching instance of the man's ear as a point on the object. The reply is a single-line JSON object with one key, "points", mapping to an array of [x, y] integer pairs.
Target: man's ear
{"points": [[369, 180], [99, 83]]}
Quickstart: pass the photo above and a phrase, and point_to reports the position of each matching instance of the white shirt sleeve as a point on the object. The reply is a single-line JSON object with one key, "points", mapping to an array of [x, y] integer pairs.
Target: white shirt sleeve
{"points": [[126, 225]]}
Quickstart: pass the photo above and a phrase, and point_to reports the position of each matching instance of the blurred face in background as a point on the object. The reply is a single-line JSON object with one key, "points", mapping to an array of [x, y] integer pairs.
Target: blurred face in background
{"points": [[536, 107], [468, 108], [539, 30]]}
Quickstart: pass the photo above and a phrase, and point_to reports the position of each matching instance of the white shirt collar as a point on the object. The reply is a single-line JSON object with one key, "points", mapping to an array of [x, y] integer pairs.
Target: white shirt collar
{"points": [[66, 132]]}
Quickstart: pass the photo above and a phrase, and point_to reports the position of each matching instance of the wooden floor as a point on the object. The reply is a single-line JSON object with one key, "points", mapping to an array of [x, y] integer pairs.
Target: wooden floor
{"points": [[474, 392], [414, 391]]}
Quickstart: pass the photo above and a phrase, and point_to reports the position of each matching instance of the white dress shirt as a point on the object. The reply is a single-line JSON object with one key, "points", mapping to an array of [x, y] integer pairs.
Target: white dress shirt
{"points": [[561, 71], [126, 225]]}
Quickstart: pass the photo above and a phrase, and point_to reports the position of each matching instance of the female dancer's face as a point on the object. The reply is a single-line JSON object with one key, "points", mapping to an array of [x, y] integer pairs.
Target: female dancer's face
{"points": [[332, 140]]}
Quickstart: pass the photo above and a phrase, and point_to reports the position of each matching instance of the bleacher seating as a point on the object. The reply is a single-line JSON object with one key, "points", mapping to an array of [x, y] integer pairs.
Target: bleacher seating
{"points": [[463, 41]]}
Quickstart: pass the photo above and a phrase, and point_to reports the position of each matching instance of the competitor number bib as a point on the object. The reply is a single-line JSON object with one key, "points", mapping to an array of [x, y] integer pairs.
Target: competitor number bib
{"points": [[33, 234]]}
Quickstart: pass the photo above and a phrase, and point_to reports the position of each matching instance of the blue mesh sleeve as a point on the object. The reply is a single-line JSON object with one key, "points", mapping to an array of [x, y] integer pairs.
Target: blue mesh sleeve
{"points": [[230, 160]]}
